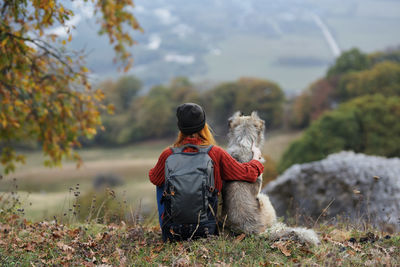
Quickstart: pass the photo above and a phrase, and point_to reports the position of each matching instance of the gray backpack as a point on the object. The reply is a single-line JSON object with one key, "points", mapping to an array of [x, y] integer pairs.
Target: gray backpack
{"points": [[190, 199]]}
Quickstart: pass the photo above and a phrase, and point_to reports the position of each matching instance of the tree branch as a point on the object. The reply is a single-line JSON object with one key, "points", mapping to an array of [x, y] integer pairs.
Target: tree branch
{"points": [[44, 46]]}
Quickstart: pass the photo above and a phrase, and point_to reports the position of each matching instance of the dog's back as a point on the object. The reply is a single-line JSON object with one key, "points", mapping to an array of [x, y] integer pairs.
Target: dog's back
{"points": [[244, 208]]}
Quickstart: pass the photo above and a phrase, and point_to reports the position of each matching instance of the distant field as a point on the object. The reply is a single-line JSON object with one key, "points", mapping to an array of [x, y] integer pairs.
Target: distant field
{"points": [[352, 32], [296, 59], [256, 56], [277, 142], [45, 192]]}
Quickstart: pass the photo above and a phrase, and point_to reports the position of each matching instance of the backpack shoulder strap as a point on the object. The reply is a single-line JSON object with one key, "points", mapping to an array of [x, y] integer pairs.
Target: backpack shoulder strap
{"points": [[200, 149], [175, 150], [205, 149]]}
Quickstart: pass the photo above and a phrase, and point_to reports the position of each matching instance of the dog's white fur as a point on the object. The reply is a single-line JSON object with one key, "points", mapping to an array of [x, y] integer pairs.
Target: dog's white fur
{"points": [[244, 208]]}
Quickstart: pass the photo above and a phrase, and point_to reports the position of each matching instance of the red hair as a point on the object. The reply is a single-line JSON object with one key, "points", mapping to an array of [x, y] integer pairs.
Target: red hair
{"points": [[204, 134]]}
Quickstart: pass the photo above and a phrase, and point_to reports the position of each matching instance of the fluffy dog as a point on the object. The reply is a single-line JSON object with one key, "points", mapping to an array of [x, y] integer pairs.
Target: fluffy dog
{"points": [[244, 208]]}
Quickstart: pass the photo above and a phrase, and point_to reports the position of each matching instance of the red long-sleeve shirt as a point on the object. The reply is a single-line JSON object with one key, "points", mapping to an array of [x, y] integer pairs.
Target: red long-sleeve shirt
{"points": [[225, 167]]}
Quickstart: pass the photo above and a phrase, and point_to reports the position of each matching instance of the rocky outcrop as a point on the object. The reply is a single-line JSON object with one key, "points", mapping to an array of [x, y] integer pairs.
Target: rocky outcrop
{"points": [[357, 186]]}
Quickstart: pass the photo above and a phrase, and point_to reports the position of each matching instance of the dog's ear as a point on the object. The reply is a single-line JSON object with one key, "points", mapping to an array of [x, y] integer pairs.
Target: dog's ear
{"points": [[254, 115], [260, 123], [235, 115]]}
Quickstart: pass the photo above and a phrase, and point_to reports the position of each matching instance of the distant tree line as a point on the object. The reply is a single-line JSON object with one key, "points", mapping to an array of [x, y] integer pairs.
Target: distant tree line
{"points": [[139, 117], [353, 74], [356, 106]]}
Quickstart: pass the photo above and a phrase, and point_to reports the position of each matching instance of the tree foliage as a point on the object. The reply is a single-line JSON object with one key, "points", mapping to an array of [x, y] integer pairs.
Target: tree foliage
{"points": [[45, 94], [246, 95], [367, 124], [311, 103], [391, 54], [121, 94], [264, 96], [152, 115], [354, 74], [220, 103], [351, 60], [139, 117], [383, 78]]}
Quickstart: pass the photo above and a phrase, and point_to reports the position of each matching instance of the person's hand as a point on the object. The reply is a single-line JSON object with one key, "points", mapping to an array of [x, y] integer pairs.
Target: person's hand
{"points": [[256, 153]]}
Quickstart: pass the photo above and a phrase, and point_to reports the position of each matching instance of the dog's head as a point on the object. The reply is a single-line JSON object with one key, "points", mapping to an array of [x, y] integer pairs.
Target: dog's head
{"points": [[247, 128]]}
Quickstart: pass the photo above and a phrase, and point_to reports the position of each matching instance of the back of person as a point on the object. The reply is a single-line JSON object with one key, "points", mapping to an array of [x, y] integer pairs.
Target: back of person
{"points": [[189, 176], [189, 196]]}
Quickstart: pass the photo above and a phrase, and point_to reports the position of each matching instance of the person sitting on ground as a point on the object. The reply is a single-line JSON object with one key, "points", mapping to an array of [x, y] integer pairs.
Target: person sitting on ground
{"points": [[178, 176]]}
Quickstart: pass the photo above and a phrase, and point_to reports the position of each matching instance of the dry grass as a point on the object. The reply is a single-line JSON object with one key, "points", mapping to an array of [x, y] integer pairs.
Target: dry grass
{"points": [[277, 142]]}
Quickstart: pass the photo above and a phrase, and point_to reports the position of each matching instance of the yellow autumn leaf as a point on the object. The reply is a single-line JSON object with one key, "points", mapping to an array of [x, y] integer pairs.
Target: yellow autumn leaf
{"points": [[15, 124], [91, 131]]}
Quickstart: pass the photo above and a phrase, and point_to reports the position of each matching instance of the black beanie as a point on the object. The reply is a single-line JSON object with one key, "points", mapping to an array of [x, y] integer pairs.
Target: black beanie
{"points": [[191, 118]]}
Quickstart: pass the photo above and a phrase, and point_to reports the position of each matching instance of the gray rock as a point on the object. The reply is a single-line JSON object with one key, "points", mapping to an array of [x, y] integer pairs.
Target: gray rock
{"points": [[359, 187]]}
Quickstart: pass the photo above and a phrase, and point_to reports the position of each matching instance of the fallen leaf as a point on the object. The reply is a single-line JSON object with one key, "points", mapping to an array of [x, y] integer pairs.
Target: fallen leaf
{"points": [[30, 247], [73, 233], [65, 247], [5, 228], [121, 256], [182, 262], [57, 234], [339, 235], [282, 246], [158, 248], [240, 238]]}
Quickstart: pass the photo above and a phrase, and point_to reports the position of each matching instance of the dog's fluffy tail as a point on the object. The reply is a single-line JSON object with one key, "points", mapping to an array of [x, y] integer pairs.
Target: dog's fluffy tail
{"points": [[280, 231]]}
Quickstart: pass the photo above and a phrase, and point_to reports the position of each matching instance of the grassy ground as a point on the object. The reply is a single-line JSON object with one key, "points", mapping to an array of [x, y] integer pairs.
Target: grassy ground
{"points": [[134, 240], [51, 243]]}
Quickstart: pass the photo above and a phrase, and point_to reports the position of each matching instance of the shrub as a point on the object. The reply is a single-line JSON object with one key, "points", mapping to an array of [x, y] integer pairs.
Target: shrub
{"points": [[368, 124], [383, 78], [348, 61], [270, 170]]}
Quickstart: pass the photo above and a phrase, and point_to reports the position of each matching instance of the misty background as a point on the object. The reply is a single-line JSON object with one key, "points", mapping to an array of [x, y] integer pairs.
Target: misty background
{"points": [[291, 42]]}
